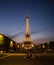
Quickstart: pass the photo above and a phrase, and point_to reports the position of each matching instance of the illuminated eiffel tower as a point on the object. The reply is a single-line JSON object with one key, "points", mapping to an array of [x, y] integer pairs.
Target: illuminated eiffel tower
{"points": [[27, 44]]}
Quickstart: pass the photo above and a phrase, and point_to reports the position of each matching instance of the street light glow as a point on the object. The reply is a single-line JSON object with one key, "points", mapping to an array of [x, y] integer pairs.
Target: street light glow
{"points": [[1, 38], [11, 43]]}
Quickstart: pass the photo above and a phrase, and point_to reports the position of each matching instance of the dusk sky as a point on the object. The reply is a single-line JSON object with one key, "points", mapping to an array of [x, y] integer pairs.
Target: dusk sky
{"points": [[41, 19]]}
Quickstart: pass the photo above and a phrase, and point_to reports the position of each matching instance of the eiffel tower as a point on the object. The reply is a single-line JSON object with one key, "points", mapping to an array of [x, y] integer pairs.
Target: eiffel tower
{"points": [[27, 44]]}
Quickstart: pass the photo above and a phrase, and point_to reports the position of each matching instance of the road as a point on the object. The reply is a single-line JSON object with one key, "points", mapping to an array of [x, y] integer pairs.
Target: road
{"points": [[18, 59]]}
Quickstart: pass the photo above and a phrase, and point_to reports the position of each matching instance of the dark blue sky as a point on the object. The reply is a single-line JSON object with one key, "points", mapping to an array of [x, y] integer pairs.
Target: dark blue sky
{"points": [[41, 18]]}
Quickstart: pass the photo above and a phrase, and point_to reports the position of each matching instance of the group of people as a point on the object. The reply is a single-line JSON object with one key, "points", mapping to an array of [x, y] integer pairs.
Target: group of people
{"points": [[30, 55]]}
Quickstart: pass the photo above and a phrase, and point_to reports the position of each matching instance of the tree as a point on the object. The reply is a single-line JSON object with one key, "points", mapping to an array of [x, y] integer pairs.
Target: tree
{"points": [[51, 44]]}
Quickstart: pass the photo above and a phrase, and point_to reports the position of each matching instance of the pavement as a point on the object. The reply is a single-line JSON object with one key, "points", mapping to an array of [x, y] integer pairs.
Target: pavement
{"points": [[18, 59]]}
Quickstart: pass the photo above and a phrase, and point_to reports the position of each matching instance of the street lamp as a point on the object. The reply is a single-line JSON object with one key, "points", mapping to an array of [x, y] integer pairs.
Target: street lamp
{"points": [[43, 46]]}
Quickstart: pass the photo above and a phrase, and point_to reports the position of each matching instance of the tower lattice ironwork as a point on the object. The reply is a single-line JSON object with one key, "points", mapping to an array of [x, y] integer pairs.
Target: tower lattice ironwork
{"points": [[27, 40]]}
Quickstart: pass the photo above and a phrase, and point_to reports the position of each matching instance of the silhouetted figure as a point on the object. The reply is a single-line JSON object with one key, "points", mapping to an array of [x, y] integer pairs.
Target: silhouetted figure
{"points": [[30, 55]]}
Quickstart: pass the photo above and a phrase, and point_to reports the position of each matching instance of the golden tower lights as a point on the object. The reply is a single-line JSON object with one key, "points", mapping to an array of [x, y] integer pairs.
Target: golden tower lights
{"points": [[27, 44]]}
